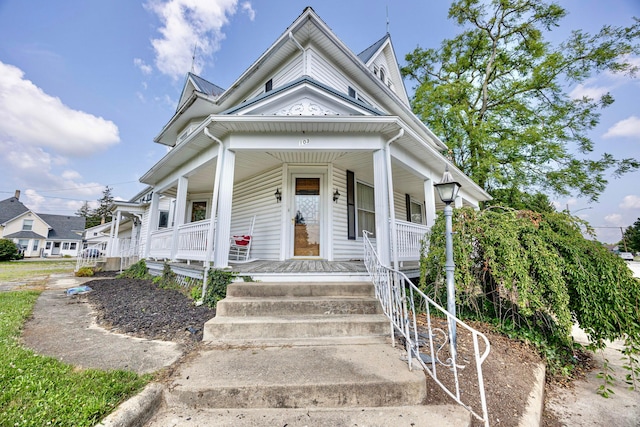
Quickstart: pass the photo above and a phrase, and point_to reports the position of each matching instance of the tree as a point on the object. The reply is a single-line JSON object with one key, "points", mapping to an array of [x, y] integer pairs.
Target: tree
{"points": [[631, 237], [91, 219], [104, 203], [496, 96]]}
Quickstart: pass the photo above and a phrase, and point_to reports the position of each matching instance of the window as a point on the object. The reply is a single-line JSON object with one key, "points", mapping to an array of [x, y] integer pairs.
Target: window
{"points": [[24, 243], [352, 92], [163, 219], [65, 246], [416, 213], [198, 211], [72, 246], [35, 245], [47, 245], [268, 86], [382, 76], [27, 225], [366, 209]]}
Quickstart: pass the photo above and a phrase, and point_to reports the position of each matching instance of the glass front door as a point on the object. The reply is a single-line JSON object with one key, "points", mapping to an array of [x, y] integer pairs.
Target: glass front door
{"points": [[306, 204]]}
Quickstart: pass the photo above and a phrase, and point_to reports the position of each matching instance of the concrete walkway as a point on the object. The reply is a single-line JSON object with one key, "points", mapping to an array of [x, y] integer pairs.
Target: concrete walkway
{"points": [[63, 327]]}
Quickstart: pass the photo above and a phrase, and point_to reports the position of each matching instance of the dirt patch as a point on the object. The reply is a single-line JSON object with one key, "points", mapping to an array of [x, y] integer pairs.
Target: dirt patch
{"points": [[140, 308]]}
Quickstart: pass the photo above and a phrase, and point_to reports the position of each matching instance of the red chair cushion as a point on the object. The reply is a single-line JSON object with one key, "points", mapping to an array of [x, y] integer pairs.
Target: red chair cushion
{"points": [[242, 240]]}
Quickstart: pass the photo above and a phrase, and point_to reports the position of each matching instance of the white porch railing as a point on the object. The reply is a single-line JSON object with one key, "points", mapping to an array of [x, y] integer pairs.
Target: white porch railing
{"points": [[129, 252], [192, 240], [426, 334], [90, 256], [409, 237], [160, 246]]}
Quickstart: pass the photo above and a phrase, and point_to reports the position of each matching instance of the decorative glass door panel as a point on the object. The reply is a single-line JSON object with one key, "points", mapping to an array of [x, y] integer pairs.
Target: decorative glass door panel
{"points": [[306, 205]]}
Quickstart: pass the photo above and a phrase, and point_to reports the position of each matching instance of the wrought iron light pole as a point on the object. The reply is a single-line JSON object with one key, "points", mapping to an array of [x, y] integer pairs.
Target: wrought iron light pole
{"points": [[448, 190]]}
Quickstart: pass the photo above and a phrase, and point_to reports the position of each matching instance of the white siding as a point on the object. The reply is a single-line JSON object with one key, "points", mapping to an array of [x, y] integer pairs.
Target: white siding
{"points": [[343, 248], [290, 72], [254, 196]]}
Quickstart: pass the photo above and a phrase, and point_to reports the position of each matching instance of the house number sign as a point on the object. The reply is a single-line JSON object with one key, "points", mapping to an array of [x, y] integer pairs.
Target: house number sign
{"points": [[304, 142]]}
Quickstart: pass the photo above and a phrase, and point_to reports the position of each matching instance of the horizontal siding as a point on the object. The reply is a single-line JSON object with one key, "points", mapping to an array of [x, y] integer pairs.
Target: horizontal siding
{"points": [[343, 248], [254, 196], [290, 72]]}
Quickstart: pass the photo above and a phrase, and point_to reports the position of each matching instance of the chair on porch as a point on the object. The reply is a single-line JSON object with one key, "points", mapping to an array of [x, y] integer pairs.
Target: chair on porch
{"points": [[241, 245]]}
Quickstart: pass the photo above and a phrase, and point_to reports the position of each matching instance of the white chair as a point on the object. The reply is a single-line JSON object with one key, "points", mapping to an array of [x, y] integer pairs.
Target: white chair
{"points": [[240, 245]]}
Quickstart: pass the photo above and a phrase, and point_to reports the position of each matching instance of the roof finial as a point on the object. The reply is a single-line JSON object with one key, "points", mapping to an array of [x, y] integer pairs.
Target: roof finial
{"points": [[387, 19], [193, 57]]}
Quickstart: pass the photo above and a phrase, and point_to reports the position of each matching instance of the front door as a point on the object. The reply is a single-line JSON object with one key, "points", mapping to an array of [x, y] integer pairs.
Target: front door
{"points": [[56, 248], [307, 221]]}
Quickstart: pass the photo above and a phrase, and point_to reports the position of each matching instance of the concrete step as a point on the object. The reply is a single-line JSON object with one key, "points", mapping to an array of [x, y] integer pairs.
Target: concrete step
{"points": [[295, 327], [296, 305], [398, 416], [297, 377], [299, 289]]}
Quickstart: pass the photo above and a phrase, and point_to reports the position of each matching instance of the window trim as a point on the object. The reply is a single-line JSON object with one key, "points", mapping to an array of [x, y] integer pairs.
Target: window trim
{"points": [[24, 225], [358, 209]]}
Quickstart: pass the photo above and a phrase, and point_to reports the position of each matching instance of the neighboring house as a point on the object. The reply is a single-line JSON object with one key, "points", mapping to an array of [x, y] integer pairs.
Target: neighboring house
{"points": [[40, 234], [316, 142]]}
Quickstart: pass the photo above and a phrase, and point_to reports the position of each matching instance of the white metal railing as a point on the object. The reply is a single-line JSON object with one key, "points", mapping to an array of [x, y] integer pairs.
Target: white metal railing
{"points": [[192, 240], [129, 252], [409, 238], [160, 246], [90, 256], [426, 334]]}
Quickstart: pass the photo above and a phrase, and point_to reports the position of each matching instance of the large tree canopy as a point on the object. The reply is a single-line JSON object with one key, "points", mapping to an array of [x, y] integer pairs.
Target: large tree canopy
{"points": [[497, 96]]}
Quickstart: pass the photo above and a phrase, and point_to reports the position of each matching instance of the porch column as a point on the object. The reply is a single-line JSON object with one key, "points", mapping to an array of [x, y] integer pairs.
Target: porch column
{"points": [[115, 249], [153, 222], [180, 211], [381, 194], [225, 196], [430, 202], [111, 243]]}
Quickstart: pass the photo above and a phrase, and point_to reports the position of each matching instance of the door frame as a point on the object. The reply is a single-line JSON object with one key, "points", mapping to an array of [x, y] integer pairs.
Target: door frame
{"points": [[320, 172]]}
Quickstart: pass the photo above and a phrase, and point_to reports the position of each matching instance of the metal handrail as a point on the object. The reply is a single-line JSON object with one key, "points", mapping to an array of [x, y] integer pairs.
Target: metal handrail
{"points": [[437, 355]]}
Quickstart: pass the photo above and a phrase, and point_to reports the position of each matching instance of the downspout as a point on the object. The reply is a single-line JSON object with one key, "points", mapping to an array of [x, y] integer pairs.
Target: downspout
{"points": [[214, 213], [392, 208], [304, 55]]}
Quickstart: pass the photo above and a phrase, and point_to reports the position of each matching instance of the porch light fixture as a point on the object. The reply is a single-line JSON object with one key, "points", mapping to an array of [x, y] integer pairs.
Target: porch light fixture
{"points": [[336, 196], [448, 190], [278, 195]]}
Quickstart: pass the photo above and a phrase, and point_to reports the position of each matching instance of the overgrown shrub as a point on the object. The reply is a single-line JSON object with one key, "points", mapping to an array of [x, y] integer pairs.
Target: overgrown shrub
{"points": [[217, 283], [534, 275], [84, 272], [8, 250], [138, 270], [168, 279]]}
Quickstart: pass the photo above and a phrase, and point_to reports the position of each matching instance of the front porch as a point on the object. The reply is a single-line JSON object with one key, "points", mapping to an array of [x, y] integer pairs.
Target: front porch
{"points": [[288, 271]]}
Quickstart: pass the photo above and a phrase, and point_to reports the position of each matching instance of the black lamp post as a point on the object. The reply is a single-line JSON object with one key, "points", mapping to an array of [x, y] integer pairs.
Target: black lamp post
{"points": [[448, 190]]}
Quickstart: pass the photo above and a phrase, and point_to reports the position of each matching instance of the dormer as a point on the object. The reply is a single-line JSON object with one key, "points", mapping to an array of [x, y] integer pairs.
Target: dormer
{"points": [[380, 59]]}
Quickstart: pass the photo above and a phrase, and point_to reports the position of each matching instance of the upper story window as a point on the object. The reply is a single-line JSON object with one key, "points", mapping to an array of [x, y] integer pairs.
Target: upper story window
{"points": [[268, 85], [27, 225], [383, 77], [352, 92]]}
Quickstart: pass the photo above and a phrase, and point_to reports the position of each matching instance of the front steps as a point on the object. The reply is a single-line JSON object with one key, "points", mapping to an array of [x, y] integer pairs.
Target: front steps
{"points": [[300, 354], [271, 313]]}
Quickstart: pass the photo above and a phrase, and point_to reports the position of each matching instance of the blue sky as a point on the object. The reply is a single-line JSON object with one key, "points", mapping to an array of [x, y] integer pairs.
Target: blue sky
{"points": [[85, 86]]}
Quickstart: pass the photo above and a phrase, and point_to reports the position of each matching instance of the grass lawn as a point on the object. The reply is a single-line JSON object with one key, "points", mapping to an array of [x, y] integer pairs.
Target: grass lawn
{"points": [[12, 271], [41, 391]]}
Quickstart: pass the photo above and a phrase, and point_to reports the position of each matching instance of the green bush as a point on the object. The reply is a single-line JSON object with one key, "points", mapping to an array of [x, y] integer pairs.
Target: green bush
{"points": [[84, 272], [533, 275], [8, 250], [217, 282], [138, 270], [168, 279]]}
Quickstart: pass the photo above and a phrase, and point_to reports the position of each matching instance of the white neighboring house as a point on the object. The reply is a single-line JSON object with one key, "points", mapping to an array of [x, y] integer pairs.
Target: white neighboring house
{"points": [[316, 142], [40, 235]]}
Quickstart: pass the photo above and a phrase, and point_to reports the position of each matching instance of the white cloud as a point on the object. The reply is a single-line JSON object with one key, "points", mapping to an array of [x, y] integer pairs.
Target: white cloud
{"points": [[33, 118], [613, 219], [592, 92], [142, 66], [629, 127], [187, 24], [248, 9], [630, 202]]}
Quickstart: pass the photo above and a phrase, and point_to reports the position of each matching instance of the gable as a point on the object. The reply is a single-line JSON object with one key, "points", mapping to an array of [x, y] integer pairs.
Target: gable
{"points": [[381, 60], [304, 97]]}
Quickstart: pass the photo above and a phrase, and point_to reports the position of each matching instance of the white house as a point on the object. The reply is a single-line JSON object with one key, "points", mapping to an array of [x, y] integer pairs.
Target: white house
{"points": [[39, 234], [315, 142]]}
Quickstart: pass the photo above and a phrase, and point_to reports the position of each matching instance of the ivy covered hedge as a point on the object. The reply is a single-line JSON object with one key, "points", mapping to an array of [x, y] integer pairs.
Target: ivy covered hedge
{"points": [[534, 275]]}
